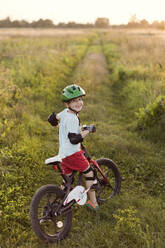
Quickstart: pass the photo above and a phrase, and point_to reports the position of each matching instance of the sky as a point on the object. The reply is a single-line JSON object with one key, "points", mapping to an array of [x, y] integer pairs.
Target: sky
{"points": [[82, 11]]}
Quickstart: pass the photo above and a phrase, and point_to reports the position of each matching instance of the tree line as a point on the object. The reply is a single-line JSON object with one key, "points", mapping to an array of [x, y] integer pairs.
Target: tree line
{"points": [[99, 23], [135, 23], [46, 23]]}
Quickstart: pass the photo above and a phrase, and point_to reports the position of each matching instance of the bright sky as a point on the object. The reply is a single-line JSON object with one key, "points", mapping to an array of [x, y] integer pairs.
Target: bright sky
{"points": [[83, 11]]}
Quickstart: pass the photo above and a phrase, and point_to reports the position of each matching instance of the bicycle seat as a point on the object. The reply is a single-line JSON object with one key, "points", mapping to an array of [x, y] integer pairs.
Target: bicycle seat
{"points": [[54, 160]]}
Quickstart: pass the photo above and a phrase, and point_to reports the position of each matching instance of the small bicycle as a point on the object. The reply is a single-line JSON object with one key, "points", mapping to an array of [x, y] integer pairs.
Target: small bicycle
{"points": [[51, 207]]}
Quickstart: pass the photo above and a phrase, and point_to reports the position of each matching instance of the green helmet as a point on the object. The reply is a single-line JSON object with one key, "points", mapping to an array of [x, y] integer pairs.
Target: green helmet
{"points": [[72, 91]]}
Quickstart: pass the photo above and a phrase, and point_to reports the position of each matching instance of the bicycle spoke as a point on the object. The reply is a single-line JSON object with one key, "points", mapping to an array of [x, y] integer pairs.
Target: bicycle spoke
{"points": [[43, 207], [106, 174]]}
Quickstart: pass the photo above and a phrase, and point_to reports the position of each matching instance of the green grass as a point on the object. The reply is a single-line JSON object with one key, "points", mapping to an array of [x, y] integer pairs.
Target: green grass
{"points": [[33, 73]]}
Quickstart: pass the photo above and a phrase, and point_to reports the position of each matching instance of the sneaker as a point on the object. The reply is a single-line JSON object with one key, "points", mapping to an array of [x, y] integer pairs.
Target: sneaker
{"points": [[92, 206]]}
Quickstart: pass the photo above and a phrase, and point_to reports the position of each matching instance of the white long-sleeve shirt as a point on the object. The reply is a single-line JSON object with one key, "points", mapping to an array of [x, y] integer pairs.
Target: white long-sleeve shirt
{"points": [[69, 123]]}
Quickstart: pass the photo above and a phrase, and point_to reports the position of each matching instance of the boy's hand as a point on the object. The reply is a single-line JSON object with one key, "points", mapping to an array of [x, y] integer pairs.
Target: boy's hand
{"points": [[91, 128], [84, 133]]}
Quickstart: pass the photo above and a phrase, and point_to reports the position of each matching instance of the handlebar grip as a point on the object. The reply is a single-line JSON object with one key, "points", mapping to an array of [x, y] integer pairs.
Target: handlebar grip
{"points": [[91, 128]]}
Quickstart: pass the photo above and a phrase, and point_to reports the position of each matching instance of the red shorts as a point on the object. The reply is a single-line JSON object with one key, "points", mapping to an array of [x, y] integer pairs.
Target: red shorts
{"points": [[76, 161]]}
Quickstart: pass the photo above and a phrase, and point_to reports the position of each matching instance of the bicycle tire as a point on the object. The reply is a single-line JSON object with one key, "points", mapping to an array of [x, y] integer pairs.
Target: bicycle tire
{"points": [[47, 228], [108, 190]]}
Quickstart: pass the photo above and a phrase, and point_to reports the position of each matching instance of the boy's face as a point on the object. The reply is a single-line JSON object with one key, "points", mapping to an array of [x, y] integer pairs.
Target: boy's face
{"points": [[76, 104]]}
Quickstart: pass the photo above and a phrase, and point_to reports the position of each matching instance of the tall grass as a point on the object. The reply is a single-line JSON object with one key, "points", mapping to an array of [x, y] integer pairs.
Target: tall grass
{"points": [[33, 75]]}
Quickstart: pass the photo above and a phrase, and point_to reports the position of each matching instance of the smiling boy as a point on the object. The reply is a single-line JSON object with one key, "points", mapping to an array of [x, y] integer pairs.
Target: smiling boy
{"points": [[71, 136]]}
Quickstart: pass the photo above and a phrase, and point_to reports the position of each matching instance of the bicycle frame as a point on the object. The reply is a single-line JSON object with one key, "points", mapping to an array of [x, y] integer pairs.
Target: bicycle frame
{"points": [[65, 177], [99, 169], [64, 208], [51, 206]]}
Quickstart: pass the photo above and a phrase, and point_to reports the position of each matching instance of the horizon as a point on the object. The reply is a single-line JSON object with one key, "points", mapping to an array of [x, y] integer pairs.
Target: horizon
{"points": [[79, 23]]}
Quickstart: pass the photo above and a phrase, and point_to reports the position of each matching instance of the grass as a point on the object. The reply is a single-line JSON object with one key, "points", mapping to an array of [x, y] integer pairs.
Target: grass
{"points": [[120, 75]]}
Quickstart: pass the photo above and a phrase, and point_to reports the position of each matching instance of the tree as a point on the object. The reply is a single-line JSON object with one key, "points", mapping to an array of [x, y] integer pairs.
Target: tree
{"points": [[5, 23], [162, 25], [144, 23], [42, 24], [102, 23], [133, 19], [155, 24]]}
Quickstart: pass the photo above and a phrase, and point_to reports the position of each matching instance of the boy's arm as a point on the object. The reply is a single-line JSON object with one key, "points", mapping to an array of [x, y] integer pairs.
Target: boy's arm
{"points": [[84, 133], [53, 119], [74, 136], [77, 138]]}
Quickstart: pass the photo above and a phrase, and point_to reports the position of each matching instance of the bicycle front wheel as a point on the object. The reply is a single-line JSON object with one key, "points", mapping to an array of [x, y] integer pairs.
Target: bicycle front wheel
{"points": [[46, 225], [110, 187]]}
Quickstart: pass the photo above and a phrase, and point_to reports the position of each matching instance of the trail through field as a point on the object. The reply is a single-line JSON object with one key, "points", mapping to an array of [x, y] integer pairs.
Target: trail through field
{"points": [[92, 69], [104, 106]]}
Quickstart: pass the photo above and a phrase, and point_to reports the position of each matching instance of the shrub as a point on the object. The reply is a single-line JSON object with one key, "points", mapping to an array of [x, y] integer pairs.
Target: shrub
{"points": [[130, 230], [136, 93], [153, 114]]}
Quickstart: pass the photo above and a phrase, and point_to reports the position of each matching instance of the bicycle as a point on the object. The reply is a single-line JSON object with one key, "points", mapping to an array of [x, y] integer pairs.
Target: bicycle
{"points": [[51, 207]]}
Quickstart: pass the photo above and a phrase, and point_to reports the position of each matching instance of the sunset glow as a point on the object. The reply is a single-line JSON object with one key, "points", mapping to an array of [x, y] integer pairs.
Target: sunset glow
{"points": [[118, 11]]}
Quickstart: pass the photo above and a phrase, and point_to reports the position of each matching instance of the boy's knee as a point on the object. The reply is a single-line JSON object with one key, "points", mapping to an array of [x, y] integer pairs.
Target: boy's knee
{"points": [[88, 171], [89, 174]]}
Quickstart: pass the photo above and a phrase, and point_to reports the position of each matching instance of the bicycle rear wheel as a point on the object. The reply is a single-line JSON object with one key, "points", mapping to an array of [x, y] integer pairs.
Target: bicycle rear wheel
{"points": [[43, 206], [111, 187]]}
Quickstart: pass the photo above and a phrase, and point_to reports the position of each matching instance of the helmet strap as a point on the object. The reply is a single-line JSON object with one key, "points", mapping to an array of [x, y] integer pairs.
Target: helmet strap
{"points": [[73, 110]]}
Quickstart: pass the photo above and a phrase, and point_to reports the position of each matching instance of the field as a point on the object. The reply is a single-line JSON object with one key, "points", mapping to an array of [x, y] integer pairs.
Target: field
{"points": [[123, 74]]}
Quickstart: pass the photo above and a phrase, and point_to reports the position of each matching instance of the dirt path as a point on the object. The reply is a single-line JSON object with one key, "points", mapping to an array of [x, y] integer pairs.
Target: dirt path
{"points": [[92, 70]]}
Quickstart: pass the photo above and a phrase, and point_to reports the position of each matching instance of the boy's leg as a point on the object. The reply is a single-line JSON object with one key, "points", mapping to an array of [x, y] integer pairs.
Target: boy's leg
{"points": [[67, 172], [78, 162], [63, 184], [89, 177]]}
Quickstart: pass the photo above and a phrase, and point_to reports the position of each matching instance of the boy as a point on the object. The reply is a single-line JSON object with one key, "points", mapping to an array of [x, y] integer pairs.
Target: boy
{"points": [[71, 135]]}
